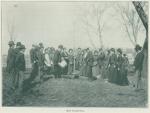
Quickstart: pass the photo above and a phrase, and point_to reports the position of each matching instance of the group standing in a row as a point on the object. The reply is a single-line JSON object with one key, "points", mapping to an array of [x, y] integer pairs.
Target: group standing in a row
{"points": [[110, 65]]}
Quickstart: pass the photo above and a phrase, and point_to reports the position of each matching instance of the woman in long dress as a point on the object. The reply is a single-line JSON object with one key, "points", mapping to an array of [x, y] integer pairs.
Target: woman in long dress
{"points": [[101, 62], [64, 54], [83, 70], [112, 66], [82, 64], [125, 66], [89, 62], [118, 79], [47, 61], [106, 61], [95, 69], [51, 57], [70, 62]]}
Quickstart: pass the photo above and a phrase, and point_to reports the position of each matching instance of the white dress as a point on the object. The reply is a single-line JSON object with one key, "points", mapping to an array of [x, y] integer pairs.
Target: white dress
{"points": [[47, 61]]}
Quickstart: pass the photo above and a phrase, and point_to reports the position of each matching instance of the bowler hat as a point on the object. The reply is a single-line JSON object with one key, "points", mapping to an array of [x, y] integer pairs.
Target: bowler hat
{"points": [[11, 43], [60, 46], [138, 47], [119, 50], [41, 45], [112, 49]]}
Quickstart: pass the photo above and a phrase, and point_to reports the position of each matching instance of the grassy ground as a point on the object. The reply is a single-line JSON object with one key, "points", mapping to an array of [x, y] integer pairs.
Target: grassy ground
{"points": [[76, 93]]}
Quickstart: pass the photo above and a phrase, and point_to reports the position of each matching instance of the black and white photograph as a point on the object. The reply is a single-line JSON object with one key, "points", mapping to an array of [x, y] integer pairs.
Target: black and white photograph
{"points": [[74, 54]]}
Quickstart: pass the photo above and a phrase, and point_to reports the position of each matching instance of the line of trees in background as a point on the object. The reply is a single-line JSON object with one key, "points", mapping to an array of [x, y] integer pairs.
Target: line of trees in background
{"points": [[94, 23]]}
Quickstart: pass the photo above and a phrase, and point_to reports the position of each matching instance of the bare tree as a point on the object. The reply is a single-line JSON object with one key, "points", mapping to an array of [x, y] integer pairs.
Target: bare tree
{"points": [[93, 21], [11, 25], [11, 30], [99, 12], [130, 20], [143, 16]]}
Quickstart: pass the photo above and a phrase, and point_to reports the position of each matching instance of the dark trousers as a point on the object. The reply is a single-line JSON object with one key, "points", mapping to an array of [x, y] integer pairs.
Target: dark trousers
{"points": [[34, 73], [57, 71]]}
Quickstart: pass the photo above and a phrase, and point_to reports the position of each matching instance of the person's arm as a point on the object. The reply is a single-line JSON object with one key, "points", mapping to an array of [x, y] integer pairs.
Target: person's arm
{"points": [[23, 62]]}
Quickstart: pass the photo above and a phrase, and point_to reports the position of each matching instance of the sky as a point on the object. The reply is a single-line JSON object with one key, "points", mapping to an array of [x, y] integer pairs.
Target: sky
{"points": [[54, 23]]}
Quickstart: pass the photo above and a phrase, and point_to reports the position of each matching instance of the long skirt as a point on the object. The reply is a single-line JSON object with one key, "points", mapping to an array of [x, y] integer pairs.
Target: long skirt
{"points": [[57, 71], [105, 73], [118, 77], [112, 74], [95, 70], [83, 70], [124, 79], [70, 69]]}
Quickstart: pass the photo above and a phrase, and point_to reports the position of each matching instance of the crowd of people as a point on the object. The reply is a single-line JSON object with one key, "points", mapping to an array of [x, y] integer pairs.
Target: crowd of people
{"points": [[110, 65]]}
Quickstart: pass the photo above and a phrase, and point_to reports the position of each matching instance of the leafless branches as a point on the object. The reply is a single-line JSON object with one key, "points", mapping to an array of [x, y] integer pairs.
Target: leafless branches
{"points": [[93, 21], [11, 29], [130, 20]]}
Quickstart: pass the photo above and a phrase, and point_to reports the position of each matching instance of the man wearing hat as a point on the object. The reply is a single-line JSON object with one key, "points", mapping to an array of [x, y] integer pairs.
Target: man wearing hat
{"points": [[16, 50], [118, 76], [138, 64], [10, 57], [56, 61], [35, 68], [20, 66], [11, 62]]}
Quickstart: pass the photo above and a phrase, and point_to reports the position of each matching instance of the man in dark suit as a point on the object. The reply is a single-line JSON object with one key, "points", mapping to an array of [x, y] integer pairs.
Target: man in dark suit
{"points": [[35, 68], [20, 66], [35, 62], [56, 61], [17, 49], [11, 63], [138, 64], [15, 77], [11, 57]]}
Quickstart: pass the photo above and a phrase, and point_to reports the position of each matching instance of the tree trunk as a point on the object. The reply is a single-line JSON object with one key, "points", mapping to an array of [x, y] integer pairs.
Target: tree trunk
{"points": [[144, 20]]}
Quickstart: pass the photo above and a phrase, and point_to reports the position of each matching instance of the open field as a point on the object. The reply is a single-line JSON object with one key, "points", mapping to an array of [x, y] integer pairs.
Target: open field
{"points": [[76, 93]]}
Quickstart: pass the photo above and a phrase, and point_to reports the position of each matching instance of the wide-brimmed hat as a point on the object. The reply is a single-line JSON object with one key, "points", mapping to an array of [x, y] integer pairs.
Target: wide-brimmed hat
{"points": [[112, 49], [11, 43], [60, 46], [138, 47], [119, 50]]}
